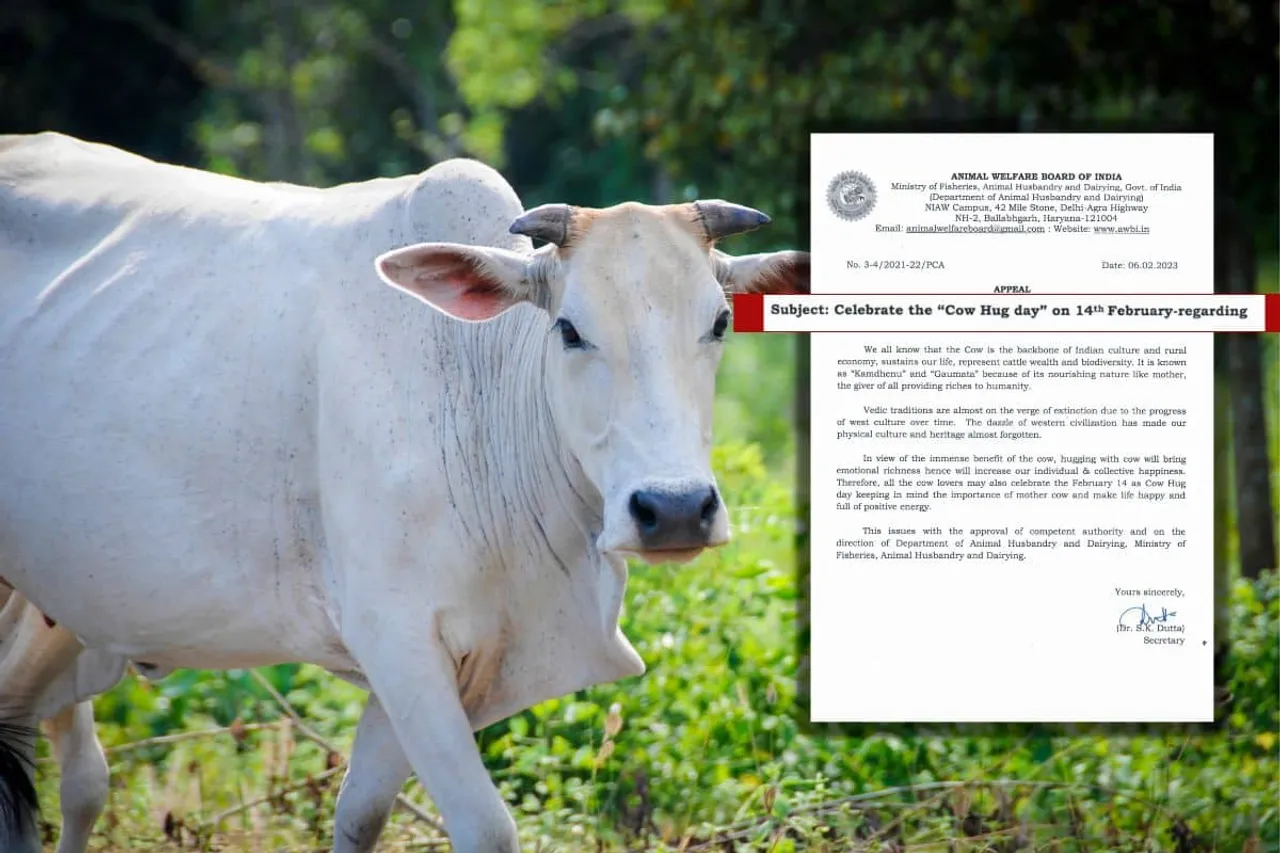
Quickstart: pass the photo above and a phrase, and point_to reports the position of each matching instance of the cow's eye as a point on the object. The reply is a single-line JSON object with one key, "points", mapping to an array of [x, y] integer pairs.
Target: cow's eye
{"points": [[569, 335], [720, 327]]}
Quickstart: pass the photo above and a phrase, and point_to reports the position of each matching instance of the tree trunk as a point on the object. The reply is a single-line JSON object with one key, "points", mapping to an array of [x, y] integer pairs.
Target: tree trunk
{"points": [[1222, 508], [286, 134], [802, 518], [663, 190], [1236, 272]]}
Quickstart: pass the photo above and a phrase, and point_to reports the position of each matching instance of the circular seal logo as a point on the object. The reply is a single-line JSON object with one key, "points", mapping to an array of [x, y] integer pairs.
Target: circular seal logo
{"points": [[851, 195]]}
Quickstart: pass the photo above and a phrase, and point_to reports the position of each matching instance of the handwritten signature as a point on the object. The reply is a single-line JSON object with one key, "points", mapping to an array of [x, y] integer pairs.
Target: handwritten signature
{"points": [[1145, 618]]}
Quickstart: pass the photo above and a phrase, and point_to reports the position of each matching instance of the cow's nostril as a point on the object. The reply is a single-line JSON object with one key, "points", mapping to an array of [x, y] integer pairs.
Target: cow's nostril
{"points": [[643, 510], [709, 507]]}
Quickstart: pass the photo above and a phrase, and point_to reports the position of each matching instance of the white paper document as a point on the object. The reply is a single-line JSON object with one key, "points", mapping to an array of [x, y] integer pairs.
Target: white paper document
{"points": [[1012, 526]]}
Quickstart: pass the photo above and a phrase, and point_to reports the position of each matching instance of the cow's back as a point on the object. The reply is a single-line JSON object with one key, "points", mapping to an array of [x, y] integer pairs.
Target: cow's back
{"points": [[158, 369]]}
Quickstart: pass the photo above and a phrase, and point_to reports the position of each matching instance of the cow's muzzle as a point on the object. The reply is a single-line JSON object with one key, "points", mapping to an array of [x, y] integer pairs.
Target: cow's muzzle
{"points": [[675, 519]]}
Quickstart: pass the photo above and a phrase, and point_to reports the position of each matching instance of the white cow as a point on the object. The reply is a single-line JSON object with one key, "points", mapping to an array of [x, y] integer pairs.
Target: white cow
{"points": [[224, 444]]}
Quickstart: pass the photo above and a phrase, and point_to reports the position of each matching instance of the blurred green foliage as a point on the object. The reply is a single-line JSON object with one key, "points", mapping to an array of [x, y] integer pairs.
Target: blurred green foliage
{"points": [[708, 97]]}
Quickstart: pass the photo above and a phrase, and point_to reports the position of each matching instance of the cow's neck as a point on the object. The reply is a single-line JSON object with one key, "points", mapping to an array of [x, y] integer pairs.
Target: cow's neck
{"points": [[562, 596]]}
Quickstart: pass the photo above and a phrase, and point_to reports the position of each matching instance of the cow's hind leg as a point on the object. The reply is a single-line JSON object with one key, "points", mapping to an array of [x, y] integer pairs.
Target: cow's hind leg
{"points": [[33, 654], [82, 767], [376, 773]]}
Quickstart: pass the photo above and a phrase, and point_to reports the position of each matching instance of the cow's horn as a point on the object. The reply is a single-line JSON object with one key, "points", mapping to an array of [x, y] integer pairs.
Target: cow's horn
{"points": [[723, 218], [548, 222]]}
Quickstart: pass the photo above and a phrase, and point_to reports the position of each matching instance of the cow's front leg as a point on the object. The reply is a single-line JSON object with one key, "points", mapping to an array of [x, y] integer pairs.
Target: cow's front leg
{"points": [[413, 677], [376, 773]]}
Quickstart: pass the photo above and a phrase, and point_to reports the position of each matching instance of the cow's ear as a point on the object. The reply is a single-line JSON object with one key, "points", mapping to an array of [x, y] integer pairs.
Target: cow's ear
{"points": [[467, 282], [768, 272]]}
